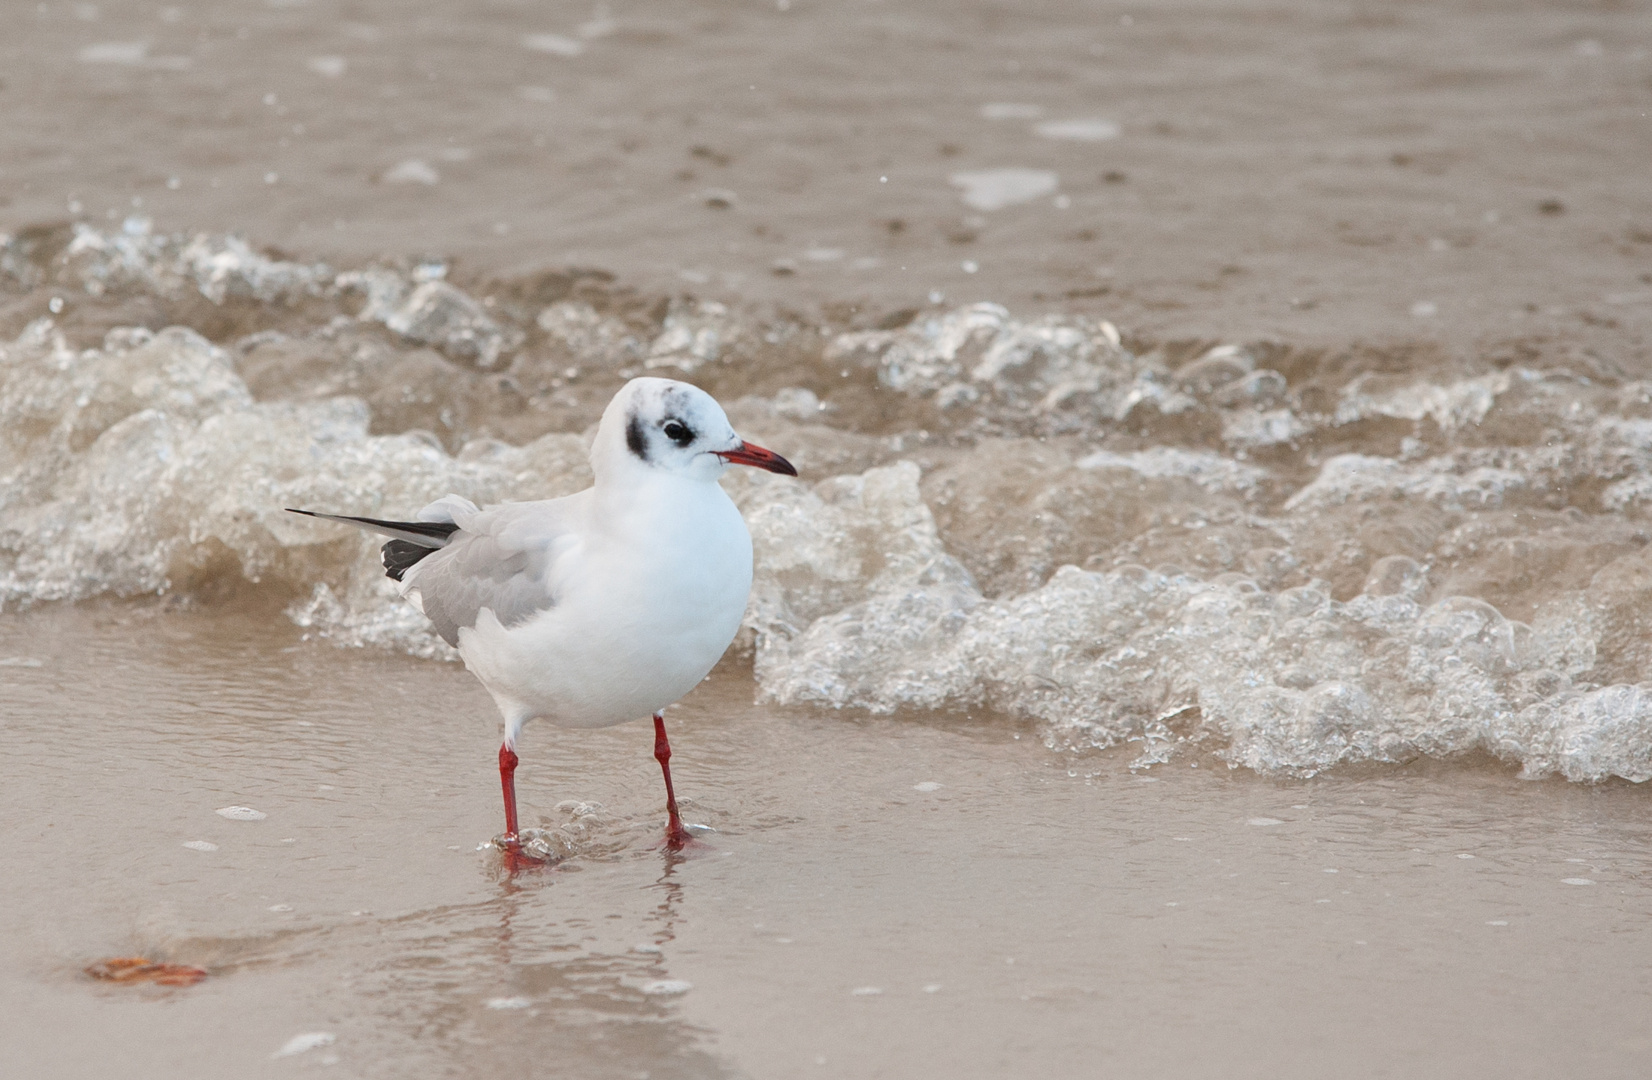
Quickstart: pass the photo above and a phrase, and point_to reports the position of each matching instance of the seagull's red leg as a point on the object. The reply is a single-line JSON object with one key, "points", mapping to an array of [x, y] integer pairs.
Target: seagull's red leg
{"points": [[676, 837], [507, 780], [515, 858]]}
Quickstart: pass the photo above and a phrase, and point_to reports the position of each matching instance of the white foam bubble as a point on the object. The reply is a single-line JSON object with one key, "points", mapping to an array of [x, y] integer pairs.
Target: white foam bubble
{"points": [[1084, 130], [692, 335], [412, 171], [554, 44], [436, 313], [115, 52], [1210, 471], [980, 354], [1009, 110], [304, 1043], [995, 189], [217, 266]]}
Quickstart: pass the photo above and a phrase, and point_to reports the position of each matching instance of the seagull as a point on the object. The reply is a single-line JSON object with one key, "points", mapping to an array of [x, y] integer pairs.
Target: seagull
{"points": [[600, 607]]}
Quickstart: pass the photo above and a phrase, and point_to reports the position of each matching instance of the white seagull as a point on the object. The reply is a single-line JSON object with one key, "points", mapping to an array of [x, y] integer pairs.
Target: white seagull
{"points": [[599, 607]]}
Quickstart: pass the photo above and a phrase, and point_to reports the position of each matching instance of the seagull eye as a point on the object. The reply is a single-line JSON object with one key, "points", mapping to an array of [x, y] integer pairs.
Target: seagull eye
{"points": [[678, 432]]}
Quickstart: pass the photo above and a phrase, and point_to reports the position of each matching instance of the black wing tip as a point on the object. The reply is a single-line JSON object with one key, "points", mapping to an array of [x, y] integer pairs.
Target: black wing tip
{"points": [[400, 556], [435, 530]]}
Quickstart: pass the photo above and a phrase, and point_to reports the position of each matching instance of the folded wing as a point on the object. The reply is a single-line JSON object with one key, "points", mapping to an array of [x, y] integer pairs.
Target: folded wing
{"points": [[502, 559], [458, 560]]}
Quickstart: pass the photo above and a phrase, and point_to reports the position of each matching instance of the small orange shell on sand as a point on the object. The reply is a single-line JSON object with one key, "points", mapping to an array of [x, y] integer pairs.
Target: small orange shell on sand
{"points": [[136, 969]]}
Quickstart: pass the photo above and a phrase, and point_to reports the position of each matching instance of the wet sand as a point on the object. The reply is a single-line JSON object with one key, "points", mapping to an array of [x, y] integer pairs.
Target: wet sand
{"points": [[1034, 915]]}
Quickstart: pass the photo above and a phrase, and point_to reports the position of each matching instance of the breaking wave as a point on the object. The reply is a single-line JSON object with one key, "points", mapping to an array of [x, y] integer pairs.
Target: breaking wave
{"points": [[1290, 561]]}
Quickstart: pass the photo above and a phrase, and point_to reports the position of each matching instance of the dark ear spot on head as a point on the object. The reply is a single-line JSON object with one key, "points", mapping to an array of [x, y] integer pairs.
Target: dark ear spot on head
{"points": [[635, 438]]}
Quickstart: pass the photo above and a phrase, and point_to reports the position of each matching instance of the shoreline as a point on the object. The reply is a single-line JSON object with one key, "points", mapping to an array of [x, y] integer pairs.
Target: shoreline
{"points": [[868, 875]]}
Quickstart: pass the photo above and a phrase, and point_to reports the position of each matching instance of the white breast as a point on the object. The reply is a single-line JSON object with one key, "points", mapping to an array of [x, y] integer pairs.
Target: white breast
{"points": [[648, 599]]}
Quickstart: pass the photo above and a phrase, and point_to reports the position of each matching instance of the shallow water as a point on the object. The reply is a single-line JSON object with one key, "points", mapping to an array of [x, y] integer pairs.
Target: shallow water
{"points": [[1311, 171], [1032, 914]]}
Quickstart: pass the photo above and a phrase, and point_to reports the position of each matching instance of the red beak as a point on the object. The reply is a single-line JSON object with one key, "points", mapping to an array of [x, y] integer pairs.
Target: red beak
{"points": [[752, 454]]}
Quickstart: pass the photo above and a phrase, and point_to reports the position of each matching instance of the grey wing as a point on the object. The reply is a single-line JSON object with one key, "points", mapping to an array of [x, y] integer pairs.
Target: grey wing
{"points": [[503, 561]]}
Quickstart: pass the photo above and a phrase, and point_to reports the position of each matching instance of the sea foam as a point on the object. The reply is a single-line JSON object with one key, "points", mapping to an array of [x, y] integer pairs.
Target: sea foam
{"points": [[1188, 554]]}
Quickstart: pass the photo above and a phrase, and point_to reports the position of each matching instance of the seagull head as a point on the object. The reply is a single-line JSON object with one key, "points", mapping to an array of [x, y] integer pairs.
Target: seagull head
{"points": [[675, 428]]}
